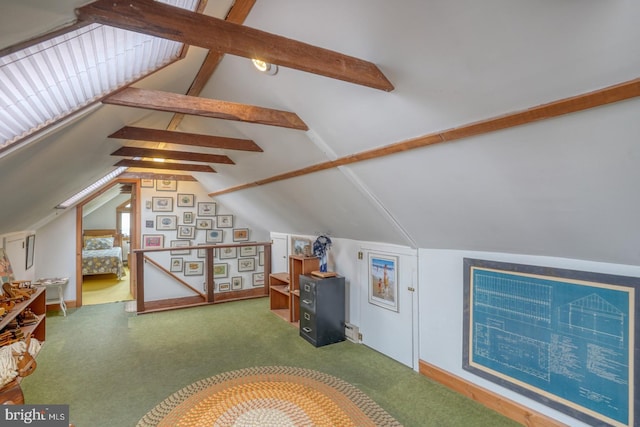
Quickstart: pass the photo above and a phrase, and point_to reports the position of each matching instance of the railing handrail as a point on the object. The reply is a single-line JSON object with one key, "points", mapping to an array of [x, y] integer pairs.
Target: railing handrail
{"points": [[213, 245], [139, 258]]}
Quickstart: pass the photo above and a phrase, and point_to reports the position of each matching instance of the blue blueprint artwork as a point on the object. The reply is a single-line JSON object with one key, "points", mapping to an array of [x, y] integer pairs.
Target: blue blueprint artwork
{"points": [[567, 340]]}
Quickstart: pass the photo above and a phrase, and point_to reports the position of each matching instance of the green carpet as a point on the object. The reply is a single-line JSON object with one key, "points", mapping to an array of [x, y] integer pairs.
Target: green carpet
{"points": [[112, 367]]}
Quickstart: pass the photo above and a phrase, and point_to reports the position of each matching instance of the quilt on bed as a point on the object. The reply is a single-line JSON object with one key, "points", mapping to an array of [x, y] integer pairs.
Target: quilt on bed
{"points": [[102, 261]]}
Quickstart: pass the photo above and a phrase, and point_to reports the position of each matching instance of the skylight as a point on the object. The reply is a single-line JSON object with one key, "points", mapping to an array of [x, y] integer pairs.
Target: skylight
{"points": [[48, 81], [90, 189]]}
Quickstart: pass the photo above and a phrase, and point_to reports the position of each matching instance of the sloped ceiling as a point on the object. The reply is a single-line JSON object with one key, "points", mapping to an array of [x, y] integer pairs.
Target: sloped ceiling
{"points": [[564, 187]]}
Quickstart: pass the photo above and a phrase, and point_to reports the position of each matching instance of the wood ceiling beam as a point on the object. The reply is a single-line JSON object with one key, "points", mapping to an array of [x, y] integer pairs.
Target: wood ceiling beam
{"points": [[172, 155], [161, 20], [176, 103], [237, 14], [164, 165], [184, 138], [608, 95]]}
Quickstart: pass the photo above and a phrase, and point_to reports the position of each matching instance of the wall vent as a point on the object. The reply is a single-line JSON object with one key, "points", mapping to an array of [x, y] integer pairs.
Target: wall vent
{"points": [[352, 333]]}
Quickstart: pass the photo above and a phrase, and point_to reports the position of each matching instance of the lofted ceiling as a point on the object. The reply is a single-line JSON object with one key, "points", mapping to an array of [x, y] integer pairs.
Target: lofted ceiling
{"points": [[381, 123]]}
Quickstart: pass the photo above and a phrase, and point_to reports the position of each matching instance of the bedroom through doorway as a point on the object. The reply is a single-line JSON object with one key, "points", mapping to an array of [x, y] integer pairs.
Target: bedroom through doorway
{"points": [[107, 225]]}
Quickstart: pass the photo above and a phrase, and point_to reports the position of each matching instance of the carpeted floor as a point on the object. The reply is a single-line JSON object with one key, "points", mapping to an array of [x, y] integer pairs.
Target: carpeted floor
{"points": [[112, 367], [105, 288]]}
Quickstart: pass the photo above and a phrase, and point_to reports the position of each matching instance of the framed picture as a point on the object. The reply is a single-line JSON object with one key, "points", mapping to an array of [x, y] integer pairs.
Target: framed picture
{"points": [[187, 217], [31, 242], [194, 268], [220, 270], [383, 281], [301, 246], [246, 264], [166, 222], [180, 244], [162, 204], [240, 234], [202, 253], [186, 232], [152, 241], [228, 253], [223, 287], [148, 223], [186, 200], [146, 183], [214, 236], [248, 250], [561, 337], [204, 223], [236, 283], [225, 221], [177, 265], [206, 208], [261, 258], [258, 279], [166, 185]]}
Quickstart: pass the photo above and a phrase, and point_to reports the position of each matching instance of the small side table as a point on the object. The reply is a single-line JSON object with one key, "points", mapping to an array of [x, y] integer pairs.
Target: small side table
{"points": [[55, 291]]}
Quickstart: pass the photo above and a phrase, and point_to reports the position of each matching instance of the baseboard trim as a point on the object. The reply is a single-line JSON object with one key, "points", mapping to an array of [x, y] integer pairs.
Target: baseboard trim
{"points": [[491, 400]]}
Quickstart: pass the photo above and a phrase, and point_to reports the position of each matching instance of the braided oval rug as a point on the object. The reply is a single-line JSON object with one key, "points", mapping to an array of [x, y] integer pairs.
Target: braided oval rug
{"points": [[268, 396]]}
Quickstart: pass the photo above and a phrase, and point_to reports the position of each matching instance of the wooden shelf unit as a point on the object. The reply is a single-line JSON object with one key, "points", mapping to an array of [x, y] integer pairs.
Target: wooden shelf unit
{"points": [[279, 295], [284, 288], [12, 393], [38, 305]]}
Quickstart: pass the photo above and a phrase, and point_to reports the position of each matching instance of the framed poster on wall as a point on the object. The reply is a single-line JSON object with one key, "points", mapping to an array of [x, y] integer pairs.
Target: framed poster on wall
{"points": [[383, 281], [565, 338]]}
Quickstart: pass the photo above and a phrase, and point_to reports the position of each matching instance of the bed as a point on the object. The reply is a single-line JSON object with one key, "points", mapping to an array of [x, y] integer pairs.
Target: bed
{"points": [[102, 253]]}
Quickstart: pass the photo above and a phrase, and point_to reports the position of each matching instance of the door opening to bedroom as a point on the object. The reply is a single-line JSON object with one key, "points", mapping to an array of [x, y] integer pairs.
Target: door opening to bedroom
{"points": [[107, 230]]}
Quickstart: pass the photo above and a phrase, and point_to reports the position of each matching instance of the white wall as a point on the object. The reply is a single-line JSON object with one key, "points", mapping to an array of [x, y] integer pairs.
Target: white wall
{"points": [[157, 287], [105, 215], [439, 320], [441, 313], [55, 254]]}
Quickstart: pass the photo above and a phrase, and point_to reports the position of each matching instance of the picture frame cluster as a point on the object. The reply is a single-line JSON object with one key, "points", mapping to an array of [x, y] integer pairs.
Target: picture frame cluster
{"points": [[180, 221]]}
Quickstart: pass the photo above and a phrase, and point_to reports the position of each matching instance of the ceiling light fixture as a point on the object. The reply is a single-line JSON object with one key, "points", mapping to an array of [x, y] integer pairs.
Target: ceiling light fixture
{"points": [[265, 67]]}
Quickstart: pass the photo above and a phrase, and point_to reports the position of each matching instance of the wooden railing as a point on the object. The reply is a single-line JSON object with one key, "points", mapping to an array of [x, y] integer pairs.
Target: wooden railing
{"points": [[209, 296]]}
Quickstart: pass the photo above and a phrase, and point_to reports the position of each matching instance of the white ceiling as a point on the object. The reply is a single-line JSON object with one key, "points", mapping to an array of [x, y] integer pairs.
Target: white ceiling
{"points": [[564, 187]]}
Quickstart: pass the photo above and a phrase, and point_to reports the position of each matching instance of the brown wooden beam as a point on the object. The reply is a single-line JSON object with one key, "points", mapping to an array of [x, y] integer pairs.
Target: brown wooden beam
{"points": [[176, 103], [161, 20], [611, 94], [237, 14], [172, 155], [164, 165], [184, 138]]}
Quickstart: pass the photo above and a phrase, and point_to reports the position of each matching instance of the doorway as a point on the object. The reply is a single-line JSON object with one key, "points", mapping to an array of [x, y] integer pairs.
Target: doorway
{"points": [[104, 275], [388, 278]]}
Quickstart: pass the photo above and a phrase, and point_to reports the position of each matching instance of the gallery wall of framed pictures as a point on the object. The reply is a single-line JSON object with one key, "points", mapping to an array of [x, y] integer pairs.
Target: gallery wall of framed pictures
{"points": [[178, 214]]}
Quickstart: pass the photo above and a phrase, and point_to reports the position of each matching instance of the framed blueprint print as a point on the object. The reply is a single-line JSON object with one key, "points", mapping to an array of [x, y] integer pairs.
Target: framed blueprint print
{"points": [[565, 338]]}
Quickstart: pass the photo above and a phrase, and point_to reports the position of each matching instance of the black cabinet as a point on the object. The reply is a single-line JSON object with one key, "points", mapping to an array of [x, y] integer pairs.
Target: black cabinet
{"points": [[322, 309]]}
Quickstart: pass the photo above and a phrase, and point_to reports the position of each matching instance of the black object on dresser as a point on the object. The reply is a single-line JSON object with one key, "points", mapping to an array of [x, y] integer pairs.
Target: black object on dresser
{"points": [[322, 309]]}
